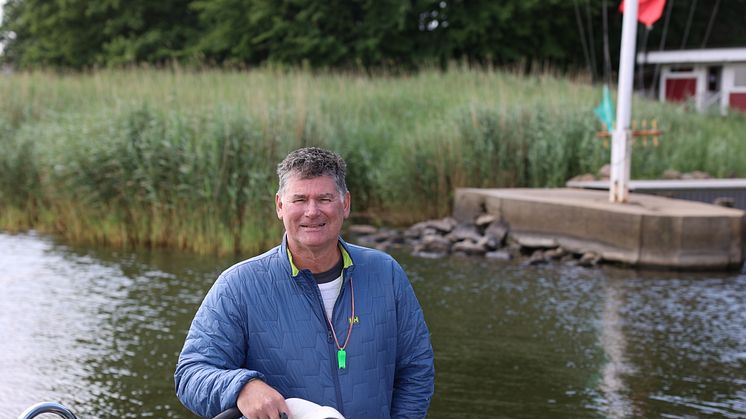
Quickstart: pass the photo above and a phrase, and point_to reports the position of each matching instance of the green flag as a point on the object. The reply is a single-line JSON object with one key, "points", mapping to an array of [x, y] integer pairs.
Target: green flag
{"points": [[605, 110]]}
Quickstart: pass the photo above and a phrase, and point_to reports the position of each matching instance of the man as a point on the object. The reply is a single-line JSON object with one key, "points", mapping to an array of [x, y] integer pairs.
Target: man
{"points": [[314, 318]]}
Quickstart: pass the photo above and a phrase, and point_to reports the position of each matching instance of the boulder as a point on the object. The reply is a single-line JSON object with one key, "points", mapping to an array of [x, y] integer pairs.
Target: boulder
{"points": [[464, 232], [534, 242], [499, 255], [586, 177], [469, 247], [385, 235], [429, 255], [489, 243], [484, 220], [434, 243], [589, 259], [497, 231], [670, 174], [537, 258], [556, 253], [444, 225], [698, 174], [415, 231]]}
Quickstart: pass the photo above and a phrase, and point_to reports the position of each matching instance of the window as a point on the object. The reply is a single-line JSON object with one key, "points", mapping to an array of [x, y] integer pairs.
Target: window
{"points": [[739, 76]]}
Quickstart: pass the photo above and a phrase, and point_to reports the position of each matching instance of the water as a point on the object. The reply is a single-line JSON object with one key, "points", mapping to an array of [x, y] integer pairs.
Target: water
{"points": [[100, 331]]}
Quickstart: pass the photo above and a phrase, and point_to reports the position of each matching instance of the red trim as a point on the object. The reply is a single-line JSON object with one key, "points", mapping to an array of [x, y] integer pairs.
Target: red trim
{"points": [[679, 90], [738, 101]]}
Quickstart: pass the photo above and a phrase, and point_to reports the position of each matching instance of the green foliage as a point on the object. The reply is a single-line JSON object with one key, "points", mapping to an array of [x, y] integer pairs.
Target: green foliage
{"points": [[79, 33], [187, 159], [390, 35]]}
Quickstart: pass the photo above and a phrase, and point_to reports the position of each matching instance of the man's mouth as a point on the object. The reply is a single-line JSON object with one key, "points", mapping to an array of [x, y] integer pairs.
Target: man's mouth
{"points": [[319, 225]]}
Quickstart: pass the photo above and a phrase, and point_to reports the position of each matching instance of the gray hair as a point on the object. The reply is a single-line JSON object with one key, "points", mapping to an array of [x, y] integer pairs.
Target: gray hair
{"points": [[312, 162]]}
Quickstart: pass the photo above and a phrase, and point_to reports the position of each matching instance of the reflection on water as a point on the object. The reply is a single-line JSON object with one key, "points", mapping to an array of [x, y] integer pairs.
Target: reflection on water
{"points": [[614, 345], [100, 331]]}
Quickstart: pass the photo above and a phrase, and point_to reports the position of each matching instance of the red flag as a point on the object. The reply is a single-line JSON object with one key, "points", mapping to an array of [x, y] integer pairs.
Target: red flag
{"points": [[648, 11]]}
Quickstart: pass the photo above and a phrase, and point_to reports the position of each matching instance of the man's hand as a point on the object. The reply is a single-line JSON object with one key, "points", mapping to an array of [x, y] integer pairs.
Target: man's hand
{"points": [[257, 400]]}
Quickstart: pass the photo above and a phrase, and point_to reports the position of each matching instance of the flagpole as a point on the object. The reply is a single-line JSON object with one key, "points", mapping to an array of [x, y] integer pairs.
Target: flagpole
{"points": [[620, 141]]}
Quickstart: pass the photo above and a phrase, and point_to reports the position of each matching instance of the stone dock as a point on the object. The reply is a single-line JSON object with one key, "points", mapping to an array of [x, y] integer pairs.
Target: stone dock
{"points": [[646, 231]]}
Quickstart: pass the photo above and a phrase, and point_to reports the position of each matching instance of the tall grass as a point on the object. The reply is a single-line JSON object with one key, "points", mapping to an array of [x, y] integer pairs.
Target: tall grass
{"points": [[186, 158]]}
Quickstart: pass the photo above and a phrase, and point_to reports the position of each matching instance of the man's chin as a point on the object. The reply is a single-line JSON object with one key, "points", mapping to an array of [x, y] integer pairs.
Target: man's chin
{"points": [[316, 243]]}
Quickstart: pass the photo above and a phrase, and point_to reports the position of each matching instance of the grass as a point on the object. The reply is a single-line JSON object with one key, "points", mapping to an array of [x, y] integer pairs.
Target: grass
{"points": [[186, 158]]}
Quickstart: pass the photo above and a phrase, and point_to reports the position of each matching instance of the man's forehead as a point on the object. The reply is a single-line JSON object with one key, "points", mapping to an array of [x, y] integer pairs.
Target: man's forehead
{"points": [[317, 185]]}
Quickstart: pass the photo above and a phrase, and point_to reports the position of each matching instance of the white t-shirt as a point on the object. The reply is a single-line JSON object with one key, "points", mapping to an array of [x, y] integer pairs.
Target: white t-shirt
{"points": [[329, 293]]}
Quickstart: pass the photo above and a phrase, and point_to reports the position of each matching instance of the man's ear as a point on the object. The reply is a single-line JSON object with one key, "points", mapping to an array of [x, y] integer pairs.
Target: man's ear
{"points": [[278, 205], [347, 204]]}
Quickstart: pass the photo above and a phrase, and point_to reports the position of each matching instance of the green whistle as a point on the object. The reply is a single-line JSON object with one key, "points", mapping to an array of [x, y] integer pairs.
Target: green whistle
{"points": [[342, 358]]}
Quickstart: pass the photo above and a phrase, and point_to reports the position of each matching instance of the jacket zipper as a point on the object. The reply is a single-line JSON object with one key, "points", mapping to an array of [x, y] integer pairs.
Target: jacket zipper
{"points": [[330, 340]]}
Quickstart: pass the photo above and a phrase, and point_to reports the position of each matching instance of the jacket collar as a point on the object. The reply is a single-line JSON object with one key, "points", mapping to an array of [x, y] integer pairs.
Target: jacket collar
{"points": [[294, 271]]}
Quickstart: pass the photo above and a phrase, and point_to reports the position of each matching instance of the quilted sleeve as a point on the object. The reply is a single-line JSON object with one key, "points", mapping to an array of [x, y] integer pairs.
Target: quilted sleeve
{"points": [[414, 381], [209, 373]]}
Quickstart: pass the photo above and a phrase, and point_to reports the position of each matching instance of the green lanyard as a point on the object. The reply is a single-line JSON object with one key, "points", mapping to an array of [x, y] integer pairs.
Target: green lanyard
{"points": [[341, 353]]}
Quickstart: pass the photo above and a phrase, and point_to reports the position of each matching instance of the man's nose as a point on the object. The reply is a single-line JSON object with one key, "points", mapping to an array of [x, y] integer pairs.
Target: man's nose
{"points": [[312, 208]]}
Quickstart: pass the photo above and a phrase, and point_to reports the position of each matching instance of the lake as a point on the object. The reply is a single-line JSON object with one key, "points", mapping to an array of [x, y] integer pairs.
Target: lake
{"points": [[100, 330]]}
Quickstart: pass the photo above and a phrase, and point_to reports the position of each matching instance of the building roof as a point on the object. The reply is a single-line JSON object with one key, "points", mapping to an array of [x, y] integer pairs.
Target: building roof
{"points": [[693, 56]]}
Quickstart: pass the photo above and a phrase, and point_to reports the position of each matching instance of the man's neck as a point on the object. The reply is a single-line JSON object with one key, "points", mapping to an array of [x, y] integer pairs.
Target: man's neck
{"points": [[315, 261]]}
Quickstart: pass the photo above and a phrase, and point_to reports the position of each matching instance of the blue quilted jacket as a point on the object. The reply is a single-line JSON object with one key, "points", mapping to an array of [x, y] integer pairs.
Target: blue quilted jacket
{"points": [[260, 320]]}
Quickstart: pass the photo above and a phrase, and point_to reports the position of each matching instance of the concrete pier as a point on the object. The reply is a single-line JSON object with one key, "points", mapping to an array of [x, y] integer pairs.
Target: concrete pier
{"points": [[647, 231]]}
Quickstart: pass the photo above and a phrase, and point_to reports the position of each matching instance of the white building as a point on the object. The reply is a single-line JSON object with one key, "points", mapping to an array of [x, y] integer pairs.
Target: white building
{"points": [[711, 78]]}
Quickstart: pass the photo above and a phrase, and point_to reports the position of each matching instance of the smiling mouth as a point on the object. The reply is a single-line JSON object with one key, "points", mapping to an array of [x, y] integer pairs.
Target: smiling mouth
{"points": [[313, 225]]}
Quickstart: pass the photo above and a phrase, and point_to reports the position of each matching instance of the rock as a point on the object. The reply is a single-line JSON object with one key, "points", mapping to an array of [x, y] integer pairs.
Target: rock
{"points": [[724, 201], [384, 235], [429, 231], [489, 243], [362, 229], [499, 255], [534, 242], [434, 243], [392, 235], [469, 248], [537, 258], [605, 171], [444, 225], [485, 220], [670, 174], [415, 231], [429, 255], [697, 174], [589, 259], [464, 232], [557, 253], [497, 231], [585, 177]]}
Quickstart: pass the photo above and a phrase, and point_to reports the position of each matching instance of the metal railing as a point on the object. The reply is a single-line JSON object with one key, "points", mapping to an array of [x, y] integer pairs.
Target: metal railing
{"points": [[47, 407], [65, 413]]}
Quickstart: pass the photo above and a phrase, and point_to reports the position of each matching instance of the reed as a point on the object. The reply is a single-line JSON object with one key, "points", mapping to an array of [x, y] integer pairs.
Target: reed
{"points": [[185, 158]]}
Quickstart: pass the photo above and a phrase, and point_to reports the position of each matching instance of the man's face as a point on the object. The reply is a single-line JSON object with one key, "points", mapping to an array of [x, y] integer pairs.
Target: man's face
{"points": [[312, 211]]}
